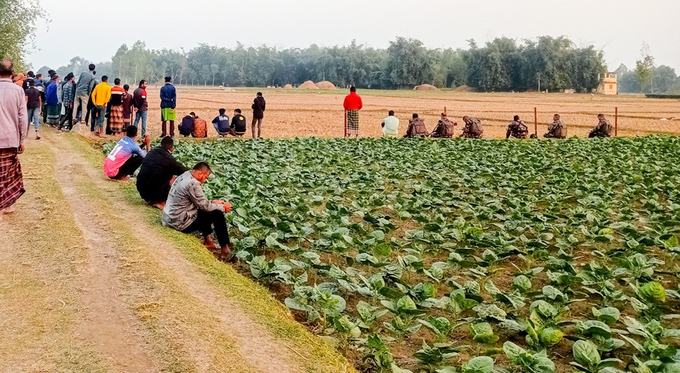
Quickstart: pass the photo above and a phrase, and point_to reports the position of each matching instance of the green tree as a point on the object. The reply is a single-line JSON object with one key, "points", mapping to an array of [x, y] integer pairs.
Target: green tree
{"points": [[408, 63], [643, 68], [18, 20]]}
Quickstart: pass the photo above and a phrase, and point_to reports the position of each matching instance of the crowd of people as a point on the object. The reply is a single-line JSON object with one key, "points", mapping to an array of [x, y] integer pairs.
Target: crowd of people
{"points": [[473, 128]]}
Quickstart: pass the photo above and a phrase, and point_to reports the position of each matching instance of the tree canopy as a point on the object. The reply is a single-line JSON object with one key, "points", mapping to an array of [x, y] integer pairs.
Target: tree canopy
{"points": [[17, 28]]}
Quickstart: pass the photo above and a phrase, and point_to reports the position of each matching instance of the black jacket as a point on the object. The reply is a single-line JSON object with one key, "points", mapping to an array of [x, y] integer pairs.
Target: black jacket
{"points": [[258, 107], [153, 181]]}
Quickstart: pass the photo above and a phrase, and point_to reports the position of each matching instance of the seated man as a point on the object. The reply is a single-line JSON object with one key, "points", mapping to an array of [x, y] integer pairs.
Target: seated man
{"points": [[603, 128], [238, 123], [200, 128], [390, 125], [187, 210], [517, 129], [221, 123], [416, 127], [186, 128], [159, 171], [473, 128], [444, 128], [557, 129], [126, 157]]}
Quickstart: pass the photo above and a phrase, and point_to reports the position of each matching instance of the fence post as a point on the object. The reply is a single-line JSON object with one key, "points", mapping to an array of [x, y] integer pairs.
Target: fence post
{"points": [[445, 110], [535, 121], [616, 121]]}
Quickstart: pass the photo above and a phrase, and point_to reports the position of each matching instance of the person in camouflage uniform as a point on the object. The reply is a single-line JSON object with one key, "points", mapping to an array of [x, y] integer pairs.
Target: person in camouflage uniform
{"points": [[517, 129], [444, 128], [416, 127], [603, 128], [557, 129], [473, 128]]}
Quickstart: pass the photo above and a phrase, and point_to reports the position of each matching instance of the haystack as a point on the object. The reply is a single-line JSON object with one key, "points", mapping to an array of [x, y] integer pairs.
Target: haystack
{"points": [[425, 87], [288, 86], [308, 85], [325, 85]]}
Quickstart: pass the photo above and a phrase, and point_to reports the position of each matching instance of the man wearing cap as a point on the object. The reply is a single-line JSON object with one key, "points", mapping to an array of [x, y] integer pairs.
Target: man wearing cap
{"points": [[68, 94]]}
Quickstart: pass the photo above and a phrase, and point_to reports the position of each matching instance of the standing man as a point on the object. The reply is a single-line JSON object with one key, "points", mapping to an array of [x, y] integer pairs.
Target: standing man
{"points": [[557, 129], [168, 105], [115, 108], [390, 125], [100, 98], [517, 129], [84, 89], [52, 98], [141, 106], [33, 104], [258, 114], [13, 132], [68, 94], [603, 128], [352, 106]]}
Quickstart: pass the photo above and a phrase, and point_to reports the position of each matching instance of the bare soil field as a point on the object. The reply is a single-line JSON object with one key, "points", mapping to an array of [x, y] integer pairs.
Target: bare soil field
{"points": [[294, 113]]}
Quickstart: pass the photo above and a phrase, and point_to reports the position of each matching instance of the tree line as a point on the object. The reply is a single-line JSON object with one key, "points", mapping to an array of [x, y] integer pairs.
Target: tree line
{"points": [[503, 64]]}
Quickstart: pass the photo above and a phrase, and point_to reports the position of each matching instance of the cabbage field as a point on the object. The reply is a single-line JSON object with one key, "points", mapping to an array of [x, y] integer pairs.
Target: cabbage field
{"points": [[464, 256]]}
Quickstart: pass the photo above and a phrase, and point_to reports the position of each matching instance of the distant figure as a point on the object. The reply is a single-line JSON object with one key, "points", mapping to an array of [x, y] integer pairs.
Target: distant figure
{"points": [[444, 128], [557, 129], [390, 125], [238, 123], [221, 124], [84, 88], [473, 128], [186, 128], [200, 128], [416, 127], [187, 210], [168, 105], [517, 129], [52, 98], [352, 105], [68, 94], [126, 157], [100, 99], [19, 79], [159, 170], [115, 108], [127, 107], [258, 107], [603, 128], [141, 106], [13, 132], [33, 104], [29, 76]]}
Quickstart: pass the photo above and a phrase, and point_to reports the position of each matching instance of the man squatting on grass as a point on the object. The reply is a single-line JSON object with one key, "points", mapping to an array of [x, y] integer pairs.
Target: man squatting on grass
{"points": [[187, 210], [126, 157], [159, 171]]}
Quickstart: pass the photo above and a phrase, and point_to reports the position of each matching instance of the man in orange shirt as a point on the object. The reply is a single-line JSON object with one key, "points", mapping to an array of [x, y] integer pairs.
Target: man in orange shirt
{"points": [[352, 106]]}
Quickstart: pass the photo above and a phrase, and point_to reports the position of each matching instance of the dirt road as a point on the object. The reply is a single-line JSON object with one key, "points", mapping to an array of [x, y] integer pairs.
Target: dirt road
{"points": [[89, 281]]}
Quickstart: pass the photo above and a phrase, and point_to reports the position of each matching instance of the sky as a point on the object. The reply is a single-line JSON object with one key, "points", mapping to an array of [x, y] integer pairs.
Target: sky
{"points": [[95, 29]]}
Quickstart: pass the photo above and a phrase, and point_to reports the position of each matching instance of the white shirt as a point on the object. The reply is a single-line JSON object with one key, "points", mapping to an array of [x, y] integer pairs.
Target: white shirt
{"points": [[391, 126]]}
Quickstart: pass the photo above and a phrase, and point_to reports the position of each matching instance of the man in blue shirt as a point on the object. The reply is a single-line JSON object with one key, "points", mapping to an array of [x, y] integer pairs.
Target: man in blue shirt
{"points": [[221, 123], [168, 105], [126, 157]]}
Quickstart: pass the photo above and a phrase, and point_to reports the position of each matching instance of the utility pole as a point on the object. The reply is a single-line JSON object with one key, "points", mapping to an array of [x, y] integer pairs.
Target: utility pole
{"points": [[539, 82]]}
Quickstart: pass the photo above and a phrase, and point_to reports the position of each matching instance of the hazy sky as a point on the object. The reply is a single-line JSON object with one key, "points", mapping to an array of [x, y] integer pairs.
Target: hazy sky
{"points": [[94, 29]]}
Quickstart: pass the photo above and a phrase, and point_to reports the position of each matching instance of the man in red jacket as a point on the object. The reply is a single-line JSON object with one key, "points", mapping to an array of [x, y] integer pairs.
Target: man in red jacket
{"points": [[352, 106]]}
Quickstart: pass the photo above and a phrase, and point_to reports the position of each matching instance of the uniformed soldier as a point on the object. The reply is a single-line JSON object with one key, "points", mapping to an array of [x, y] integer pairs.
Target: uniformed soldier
{"points": [[473, 128], [517, 129], [557, 129], [603, 128], [444, 128], [416, 127]]}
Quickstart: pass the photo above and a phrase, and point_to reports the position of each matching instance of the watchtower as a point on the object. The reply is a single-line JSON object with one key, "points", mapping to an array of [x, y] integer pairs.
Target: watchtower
{"points": [[610, 84]]}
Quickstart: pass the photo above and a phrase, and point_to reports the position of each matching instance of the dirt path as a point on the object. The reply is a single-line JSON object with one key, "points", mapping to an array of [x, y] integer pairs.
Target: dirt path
{"points": [[109, 323]]}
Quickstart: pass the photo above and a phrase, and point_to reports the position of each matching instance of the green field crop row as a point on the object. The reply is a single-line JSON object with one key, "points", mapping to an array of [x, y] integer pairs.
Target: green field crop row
{"points": [[457, 255]]}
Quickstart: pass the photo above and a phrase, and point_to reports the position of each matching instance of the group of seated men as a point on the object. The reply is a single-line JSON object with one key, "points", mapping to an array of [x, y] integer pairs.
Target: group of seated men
{"points": [[165, 183], [194, 126], [473, 128]]}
